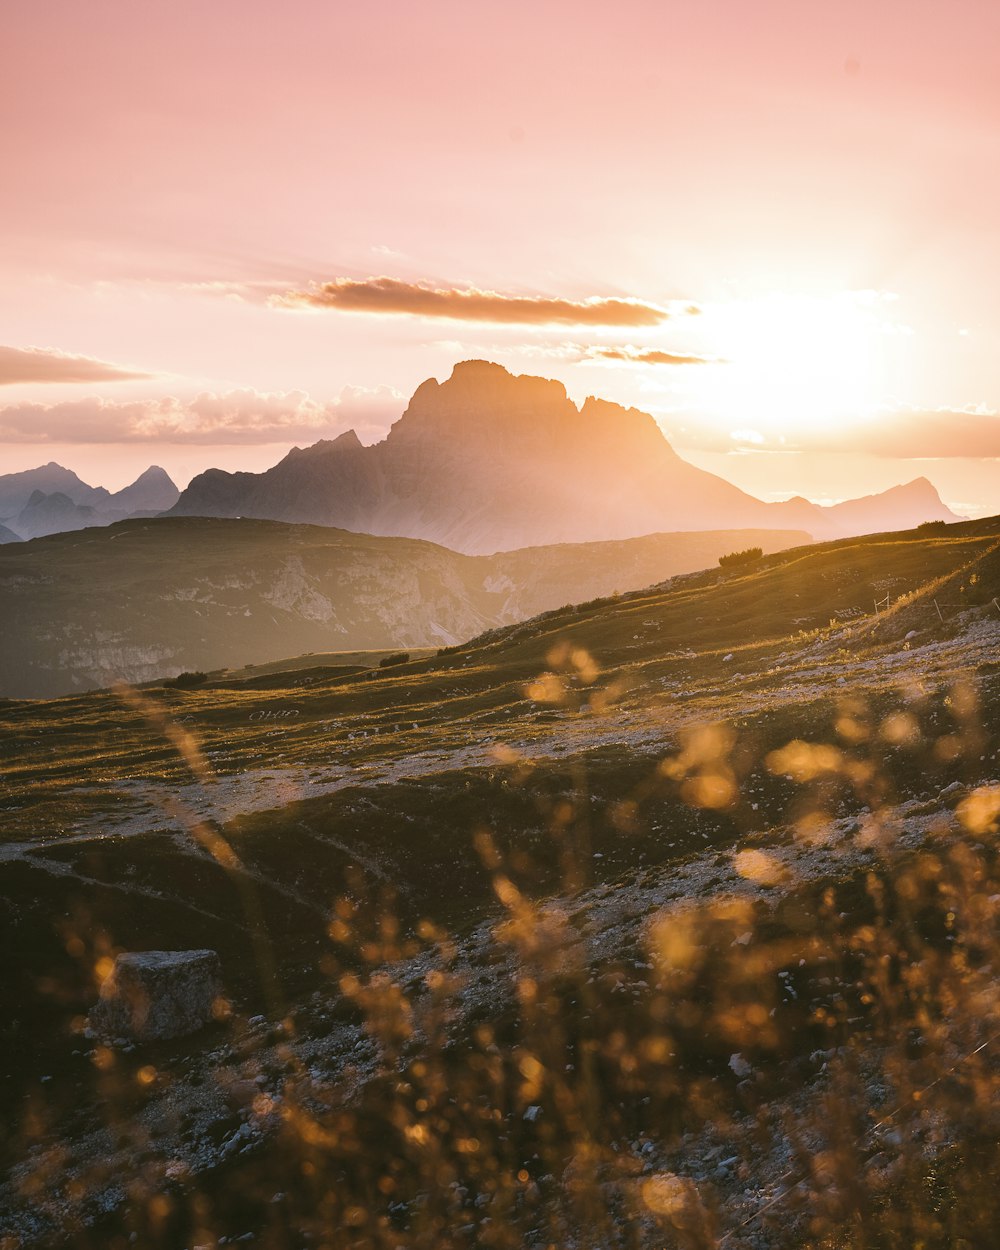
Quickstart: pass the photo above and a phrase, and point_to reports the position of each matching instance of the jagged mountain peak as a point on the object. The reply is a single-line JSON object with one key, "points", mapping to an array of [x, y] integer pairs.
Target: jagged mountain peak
{"points": [[490, 460], [479, 392], [155, 473]]}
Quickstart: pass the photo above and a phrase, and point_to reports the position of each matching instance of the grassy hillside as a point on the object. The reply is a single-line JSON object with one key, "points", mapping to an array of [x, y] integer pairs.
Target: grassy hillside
{"points": [[143, 599], [615, 755]]}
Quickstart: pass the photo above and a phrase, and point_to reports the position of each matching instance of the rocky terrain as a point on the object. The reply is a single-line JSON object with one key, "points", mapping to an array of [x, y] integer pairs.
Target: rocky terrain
{"points": [[639, 896], [488, 461]]}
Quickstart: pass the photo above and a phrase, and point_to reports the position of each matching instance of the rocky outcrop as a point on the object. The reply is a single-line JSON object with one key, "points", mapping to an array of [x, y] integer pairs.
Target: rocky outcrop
{"points": [[488, 461], [152, 995]]}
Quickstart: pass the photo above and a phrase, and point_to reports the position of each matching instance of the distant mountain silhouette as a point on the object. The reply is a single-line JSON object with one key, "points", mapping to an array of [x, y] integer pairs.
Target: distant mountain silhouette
{"points": [[51, 514], [52, 500], [489, 461], [8, 536], [16, 489], [152, 491]]}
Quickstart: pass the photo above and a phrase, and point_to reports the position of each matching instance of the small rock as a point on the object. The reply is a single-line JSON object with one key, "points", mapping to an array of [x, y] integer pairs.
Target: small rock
{"points": [[739, 1066]]}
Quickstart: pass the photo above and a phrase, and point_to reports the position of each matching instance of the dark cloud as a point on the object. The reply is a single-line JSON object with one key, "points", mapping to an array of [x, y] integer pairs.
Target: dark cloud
{"points": [[244, 416], [43, 364], [390, 296]]}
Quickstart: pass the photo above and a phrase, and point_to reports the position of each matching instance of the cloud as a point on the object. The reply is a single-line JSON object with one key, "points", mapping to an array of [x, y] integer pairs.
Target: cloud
{"points": [[942, 433], [238, 417], [574, 353], [896, 434], [44, 364], [643, 356], [390, 296]]}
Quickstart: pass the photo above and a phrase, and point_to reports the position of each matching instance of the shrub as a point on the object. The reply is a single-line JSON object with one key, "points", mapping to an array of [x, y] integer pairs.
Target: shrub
{"points": [[738, 559], [401, 657], [187, 681]]}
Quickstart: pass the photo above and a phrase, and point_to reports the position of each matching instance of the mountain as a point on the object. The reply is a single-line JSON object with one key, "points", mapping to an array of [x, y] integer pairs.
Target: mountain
{"points": [[911, 504], [152, 491], [53, 500], [145, 599], [51, 514], [16, 489], [8, 535], [488, 461]]}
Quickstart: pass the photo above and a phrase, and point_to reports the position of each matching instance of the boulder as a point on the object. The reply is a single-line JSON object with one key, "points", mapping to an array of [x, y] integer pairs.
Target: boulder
{"points": [[158, 994]]}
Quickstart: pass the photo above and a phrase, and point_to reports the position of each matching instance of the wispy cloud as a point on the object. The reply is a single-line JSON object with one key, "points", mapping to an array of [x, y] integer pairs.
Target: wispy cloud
{"points": [[238, 417], [389, 296], [643, 356], [896, 434], [942, 433], [45, 364], [575, 353]]}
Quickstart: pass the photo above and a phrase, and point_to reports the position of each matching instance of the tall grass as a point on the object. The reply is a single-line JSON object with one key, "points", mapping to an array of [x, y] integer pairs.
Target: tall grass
{"points": [[803, 1055]]}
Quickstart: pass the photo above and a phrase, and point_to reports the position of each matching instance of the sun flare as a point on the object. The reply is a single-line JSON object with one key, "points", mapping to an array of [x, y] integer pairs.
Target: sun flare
{"points": [[797, 362]]}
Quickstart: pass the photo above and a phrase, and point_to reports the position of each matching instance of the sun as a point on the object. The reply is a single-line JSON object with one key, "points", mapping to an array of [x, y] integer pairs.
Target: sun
{"points": [[793, 363]]}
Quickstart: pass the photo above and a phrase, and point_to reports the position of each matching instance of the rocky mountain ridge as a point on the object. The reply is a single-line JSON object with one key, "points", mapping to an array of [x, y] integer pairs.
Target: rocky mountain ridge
{"points": [[488, 461], [54, 500]]}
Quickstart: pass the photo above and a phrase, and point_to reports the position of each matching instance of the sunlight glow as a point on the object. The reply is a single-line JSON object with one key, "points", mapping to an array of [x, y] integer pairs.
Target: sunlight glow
{"points": [[795, 362]]}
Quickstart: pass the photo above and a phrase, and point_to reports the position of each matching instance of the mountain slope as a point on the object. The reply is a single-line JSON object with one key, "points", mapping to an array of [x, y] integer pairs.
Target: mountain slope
{"points": [[487, 461], [660, 876], [153, 598]]}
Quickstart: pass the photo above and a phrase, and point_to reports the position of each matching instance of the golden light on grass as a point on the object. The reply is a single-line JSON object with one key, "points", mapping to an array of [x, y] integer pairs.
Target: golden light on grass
{"points": [[677, 1200], [980, 810], [103, 968], [713, 790], [548, 688], [675, 942], [804, 761], [760, 867], [813, 828], [900, 729]]}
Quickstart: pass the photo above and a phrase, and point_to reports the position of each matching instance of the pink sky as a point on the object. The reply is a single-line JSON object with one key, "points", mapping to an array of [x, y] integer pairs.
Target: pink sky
{"points": [[818, 179]]}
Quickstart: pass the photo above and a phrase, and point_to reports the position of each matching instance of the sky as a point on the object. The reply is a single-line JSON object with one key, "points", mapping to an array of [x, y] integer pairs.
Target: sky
{"points": [[231, 228]]}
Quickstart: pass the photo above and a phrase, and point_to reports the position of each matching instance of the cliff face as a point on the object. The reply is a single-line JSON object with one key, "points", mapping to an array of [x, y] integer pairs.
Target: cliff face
{"points": [[487, 461]]}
